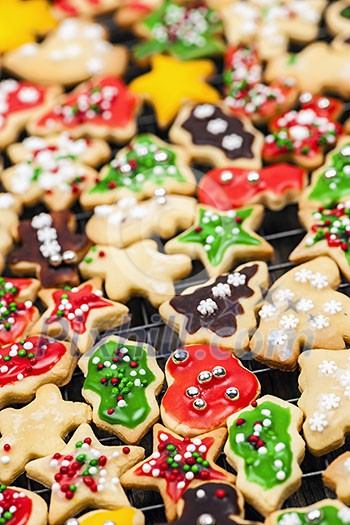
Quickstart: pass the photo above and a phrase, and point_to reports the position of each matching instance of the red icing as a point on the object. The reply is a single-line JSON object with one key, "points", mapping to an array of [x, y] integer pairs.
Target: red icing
{"points": [[23, 506], [9, 91], [204, 357], [46, 355], [20, 318], [239, 191], [120, 106]]}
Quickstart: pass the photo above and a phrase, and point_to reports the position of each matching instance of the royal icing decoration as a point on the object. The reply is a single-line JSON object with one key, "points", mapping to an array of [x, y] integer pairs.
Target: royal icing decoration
{"points": [[16, 507], [328, 514], [18, 97]]}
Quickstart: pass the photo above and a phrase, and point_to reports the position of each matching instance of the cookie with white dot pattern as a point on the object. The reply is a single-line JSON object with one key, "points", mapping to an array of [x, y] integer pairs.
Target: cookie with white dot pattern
{"points": [[19, 505], [325, 512]]}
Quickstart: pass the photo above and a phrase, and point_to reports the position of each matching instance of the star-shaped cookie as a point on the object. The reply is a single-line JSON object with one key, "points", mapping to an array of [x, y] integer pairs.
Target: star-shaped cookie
{"points": [[337, 477], [171, 83], [139, 270], [96, 471], [219, 239], [19, 505], [124, 516], [22, 429]]}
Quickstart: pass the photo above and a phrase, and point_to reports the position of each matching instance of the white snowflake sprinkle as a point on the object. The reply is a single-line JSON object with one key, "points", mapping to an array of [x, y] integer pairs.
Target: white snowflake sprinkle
{"points": [[289, 322], [277, 338], [346, 392], [319, 280], [319, 322], [304, 305], [207, 307], [344, 379], [236, 279], [303, 275], [221, 290], [267, 311], [283, 296], [327, 368], [318, 422], [329, 401], [332, 307]]}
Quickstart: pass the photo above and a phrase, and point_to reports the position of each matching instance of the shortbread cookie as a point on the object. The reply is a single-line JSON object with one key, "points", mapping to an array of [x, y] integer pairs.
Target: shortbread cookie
{"points": [[205, 386], [122, 379], [302, 310], [338, 17], [49, 249], [337, 477], [88, 8], [219, 312], [125, 516], [80, 313], [275, 187], [212, 135], [265, 448], [102, 108], [95, 480], [141, 270], [132, 11], [19, 505], [10, 208], [302, 136], [74, 52], [325, 399], [22, 429], [246, 93], [325, 512], [193, 460], [32, 362], [219, 239], [138, 170], [171, 83]]}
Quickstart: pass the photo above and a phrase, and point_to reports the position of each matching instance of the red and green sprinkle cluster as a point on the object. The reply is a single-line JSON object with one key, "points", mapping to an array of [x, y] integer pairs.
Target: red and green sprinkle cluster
{"points": [[9, 307]]}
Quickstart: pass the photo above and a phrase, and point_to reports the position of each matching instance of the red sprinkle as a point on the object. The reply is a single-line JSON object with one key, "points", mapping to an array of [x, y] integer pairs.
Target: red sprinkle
{"points": [[126, 450], [254, 404], [88, 440], [110, 411], [7, 447], [220, 493], [240, 421]]}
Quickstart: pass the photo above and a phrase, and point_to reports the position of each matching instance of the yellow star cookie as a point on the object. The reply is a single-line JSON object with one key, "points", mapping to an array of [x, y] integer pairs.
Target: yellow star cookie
{"points": [[171, 83]]}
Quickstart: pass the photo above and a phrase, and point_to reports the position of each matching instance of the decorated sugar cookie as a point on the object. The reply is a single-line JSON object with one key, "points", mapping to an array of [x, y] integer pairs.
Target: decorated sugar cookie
{"points": [[132, 11], [171, 83], [141, 269], [81, 313], [75, 51], [193, 460], [325, 512], [102, 108], [95, 481], [219, 239], [139, 169], [10, 208], [219, 312], [22, 429], [122, 379], [68, 8], [22, 506], [126, 516], [212, 135], [49, 248], [265, 448], [337, 477], [206, 385], [338, 17]]}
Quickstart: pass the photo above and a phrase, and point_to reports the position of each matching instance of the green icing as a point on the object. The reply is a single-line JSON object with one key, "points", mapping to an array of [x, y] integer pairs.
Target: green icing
{"points": [[121, 383], [217, 232], [345, 13], [292, 59], [334, 183], [145, 161], [185, 32], [267, 457], [329, 516]]}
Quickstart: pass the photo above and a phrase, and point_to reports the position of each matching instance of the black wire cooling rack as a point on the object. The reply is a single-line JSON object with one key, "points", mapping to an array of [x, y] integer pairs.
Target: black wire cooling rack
{"points": [[283, 231]]}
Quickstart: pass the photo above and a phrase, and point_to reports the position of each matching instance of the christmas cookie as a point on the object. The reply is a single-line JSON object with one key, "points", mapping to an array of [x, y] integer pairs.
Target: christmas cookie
{"points": [[265, 448], [146, 164], [212, 135], [303, 135], [186, 31], [132, 11], [74, 52], [102, 108], [275, 187], [30, 363], [19, 506], [125, 516], [205, 386], [302, 310], [337, 477], [10, 208], [49, 248], [141, 269], [22, 429], [219, 312], [325, 512], [130, 221], [246, 94], [193, 460], [81, 313], [95, 470], [19, 102], [325, 401], [219, 239], [338, 17], [122, 379], [89, 8], [171, 83]]}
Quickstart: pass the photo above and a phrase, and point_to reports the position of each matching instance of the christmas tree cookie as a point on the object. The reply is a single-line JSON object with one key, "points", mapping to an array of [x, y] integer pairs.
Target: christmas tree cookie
{"points": [[325, 512]]}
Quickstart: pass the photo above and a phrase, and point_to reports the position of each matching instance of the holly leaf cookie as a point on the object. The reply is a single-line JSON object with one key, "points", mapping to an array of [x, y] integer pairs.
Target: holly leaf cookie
{"points": [[219, 239], [122, 379], [265, 448], [19, 505], [146, 165], [206, 385], [337, 477], [141, 269], [103, 108], [302, 310], [193, 459], [275, 187], [88, 8], [212, 135], [170, 83], [49, 248], [10, 209], [22, 429], [125, 516], [219, 312], [338, 17], [325, 512], [81, 313], [95, 480], [75, 51]]}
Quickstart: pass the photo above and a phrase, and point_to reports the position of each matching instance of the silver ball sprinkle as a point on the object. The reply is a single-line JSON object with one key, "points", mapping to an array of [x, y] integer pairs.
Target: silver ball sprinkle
{"points": [[179, 356], [226, 176], [330, 173], [125, 168], [314, 516], [204, 376], [232, 393], [192, 391], [219, 371], [69, 257], [199, 404], [55, 260], [206, 519], [200, 494], [323, 103], [345, 151], [305, 97], [253, 177]]}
